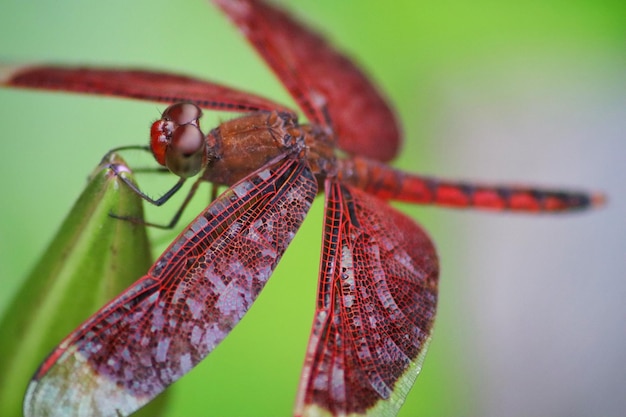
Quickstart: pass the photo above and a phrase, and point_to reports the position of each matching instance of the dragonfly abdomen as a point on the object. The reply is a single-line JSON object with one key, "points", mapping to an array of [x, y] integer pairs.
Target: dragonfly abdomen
{"points": [[390, 184]]}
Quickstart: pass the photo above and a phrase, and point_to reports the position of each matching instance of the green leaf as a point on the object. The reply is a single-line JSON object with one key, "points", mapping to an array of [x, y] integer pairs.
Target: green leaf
{"points": [[92, 259]]}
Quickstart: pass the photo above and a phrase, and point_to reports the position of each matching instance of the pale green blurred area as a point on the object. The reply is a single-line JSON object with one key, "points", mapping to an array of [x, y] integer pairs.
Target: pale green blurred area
{"points": [[443, 66]]}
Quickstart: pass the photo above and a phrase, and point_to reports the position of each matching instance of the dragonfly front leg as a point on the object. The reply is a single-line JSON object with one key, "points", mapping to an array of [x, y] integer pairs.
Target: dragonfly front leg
{"points": [[157, 202]]}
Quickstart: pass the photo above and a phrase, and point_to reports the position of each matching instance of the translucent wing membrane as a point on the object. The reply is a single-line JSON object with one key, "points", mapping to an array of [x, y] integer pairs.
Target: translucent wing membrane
{"points": [[170, 319], [137, 84], [329, 88], [375, 309]]}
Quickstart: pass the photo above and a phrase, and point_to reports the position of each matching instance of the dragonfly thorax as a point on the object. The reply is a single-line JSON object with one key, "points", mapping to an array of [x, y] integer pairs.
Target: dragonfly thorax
{"points": [[240, 146]]}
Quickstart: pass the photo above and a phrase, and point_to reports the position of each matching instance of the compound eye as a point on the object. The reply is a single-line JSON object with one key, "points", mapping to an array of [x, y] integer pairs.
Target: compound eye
{"points": [[188, 141], [186, 154], [183, 113], [160, 136]]}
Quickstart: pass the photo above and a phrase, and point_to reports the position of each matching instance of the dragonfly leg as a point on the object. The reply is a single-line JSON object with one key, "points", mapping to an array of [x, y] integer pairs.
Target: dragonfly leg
{"points": [[214, 190], [157, 202], [107, 156], [172, 223]]}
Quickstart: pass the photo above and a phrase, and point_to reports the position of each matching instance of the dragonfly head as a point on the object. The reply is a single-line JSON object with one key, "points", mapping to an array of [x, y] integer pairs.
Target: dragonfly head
{"points": [[177, 142]]}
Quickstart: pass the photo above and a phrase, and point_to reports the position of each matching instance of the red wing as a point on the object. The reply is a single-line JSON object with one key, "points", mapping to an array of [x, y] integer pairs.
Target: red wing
{"points": [[138, 84], [375, 309], [325, 83], [195, 293]]}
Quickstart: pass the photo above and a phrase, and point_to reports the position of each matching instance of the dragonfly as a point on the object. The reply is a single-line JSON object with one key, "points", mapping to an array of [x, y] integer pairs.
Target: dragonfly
{"points": [[378, 276]]}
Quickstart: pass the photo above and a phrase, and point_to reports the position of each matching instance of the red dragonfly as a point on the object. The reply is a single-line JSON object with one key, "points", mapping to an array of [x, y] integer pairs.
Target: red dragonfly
{"points": [[378, 276]]}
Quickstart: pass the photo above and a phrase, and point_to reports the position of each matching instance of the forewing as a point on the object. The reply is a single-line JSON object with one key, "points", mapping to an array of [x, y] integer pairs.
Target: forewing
{"points": [[195, 293], [328, 87], [375, 309], [138, 84]]}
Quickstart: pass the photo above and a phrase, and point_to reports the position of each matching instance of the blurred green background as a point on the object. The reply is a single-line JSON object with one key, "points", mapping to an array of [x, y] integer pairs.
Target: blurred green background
{"points": [[457, 73]]}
